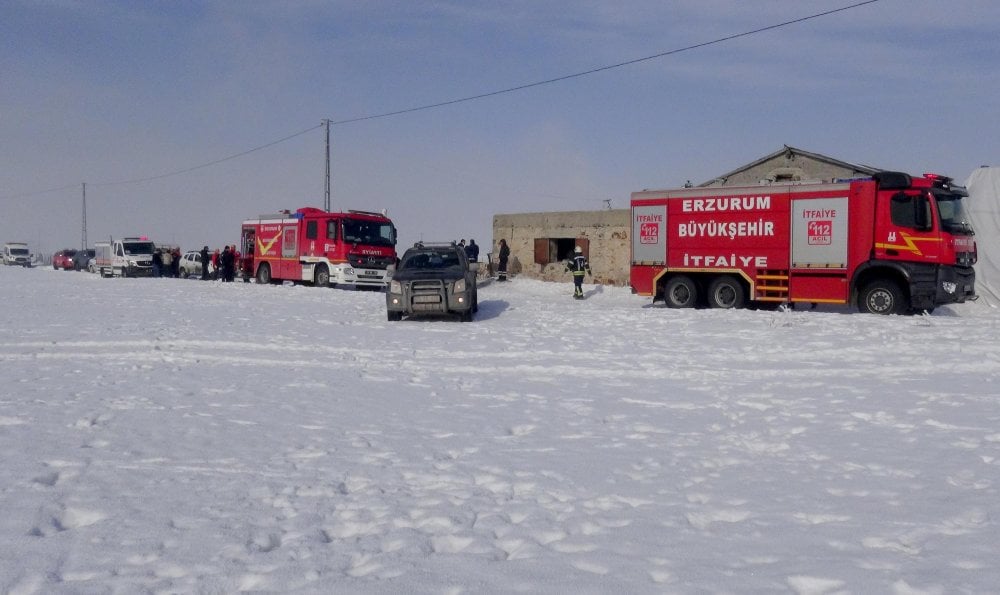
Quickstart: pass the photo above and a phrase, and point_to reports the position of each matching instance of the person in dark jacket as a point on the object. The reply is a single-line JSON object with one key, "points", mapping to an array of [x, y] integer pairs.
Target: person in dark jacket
{"points": [[504, 254], [579, 266], [472, 251], [157, 263], [227, 262], [204, 263], [175, 263]]}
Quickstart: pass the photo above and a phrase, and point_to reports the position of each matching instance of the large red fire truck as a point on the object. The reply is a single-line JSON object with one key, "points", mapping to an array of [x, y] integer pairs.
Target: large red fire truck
{"points": [[890, 244], [320, 247]]}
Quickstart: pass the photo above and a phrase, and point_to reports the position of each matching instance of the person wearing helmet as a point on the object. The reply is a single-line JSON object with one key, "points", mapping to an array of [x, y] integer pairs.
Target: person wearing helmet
{"points": [[579, 266]]}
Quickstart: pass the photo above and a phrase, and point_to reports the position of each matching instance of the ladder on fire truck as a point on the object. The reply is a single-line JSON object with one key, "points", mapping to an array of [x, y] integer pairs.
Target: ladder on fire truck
{"points": [[771, 286]]}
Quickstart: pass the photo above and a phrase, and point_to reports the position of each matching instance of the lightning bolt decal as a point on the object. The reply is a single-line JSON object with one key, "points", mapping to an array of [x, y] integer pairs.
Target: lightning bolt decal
{"points": [[909, 244]]}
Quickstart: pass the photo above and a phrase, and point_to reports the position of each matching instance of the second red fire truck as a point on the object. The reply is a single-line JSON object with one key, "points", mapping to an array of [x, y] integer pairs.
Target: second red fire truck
{"points": [[315, 246], [890, 244]]}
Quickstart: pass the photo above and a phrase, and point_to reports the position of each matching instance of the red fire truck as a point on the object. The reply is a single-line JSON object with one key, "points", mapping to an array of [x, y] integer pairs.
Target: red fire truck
{"points": [[890, 244], [319, 247]]}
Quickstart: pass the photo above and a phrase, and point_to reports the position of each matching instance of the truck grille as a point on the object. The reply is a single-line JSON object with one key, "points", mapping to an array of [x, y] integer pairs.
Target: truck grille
{"points": [[427, 296], [370, 262]]}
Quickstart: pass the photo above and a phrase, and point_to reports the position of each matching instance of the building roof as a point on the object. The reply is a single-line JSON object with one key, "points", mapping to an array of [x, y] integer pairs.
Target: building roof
{"points": [[789, 150]]}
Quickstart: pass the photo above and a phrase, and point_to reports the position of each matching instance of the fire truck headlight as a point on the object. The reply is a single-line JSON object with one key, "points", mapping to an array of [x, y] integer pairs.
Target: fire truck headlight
{"points": [[459, 286], [395, 287], [949, 287]]}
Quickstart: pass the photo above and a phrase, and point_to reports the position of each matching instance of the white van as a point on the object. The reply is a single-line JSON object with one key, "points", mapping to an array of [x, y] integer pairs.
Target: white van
{"points": [[16, 253], [127, 257]]}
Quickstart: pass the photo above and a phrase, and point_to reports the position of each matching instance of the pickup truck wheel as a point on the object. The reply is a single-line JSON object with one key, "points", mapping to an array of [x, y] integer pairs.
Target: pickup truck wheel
{"points": [[394, 316], [264, 274], [680, 292], [881, 297], [726, 292], [322, 276], [466, 316]]}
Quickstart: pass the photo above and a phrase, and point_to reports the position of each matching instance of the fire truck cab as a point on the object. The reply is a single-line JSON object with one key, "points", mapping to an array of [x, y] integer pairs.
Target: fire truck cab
{"points": [[319, 247]]}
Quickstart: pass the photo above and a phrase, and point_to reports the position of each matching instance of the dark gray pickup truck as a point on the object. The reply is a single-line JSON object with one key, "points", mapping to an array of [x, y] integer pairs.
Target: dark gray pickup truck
{"points": [[433, 279]]}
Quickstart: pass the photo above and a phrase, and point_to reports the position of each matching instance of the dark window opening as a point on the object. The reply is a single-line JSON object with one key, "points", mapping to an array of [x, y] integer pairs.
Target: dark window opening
{"points": [[312, 229], [549, 250]]}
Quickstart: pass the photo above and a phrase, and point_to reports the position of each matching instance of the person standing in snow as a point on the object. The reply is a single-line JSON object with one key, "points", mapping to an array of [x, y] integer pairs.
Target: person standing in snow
{"points": [[157, 263], [472, 251], [226, 263], [175, 263], [504, 254], [579, 266], [204, 263]]}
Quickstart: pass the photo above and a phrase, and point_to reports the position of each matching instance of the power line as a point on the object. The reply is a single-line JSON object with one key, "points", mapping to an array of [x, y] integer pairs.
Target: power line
{"points": [[604, 68], [328, 122], [172, 173], [37, 192], [210, 163]]}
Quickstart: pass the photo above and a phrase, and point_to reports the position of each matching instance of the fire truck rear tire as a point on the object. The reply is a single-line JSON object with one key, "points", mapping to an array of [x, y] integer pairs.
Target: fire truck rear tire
{"points": [[264, 274], [322, 276], [726, 292], [881, 296], [680, 292]]}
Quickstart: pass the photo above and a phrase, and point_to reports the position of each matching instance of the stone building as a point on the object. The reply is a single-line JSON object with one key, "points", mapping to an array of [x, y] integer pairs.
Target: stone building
{"points": [[539, 242]]}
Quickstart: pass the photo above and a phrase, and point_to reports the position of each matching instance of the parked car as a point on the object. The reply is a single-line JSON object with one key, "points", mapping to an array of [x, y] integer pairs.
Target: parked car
{"points": [[81, 260], [63, 259], [191, 265], [433, 279]]}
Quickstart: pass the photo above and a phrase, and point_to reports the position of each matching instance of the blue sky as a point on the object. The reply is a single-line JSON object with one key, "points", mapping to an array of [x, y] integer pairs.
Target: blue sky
{"points": [[108, 92]]}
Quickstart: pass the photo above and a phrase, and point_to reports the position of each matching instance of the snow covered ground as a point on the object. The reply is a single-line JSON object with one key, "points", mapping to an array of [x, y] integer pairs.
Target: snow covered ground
{"points": [[161, 435]]}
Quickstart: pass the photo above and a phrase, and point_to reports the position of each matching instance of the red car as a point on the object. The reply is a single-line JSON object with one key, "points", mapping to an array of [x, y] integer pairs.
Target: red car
{"points": [[63, 259]]}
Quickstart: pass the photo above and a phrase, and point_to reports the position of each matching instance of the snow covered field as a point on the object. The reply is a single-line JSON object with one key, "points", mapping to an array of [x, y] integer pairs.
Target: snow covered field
{"points": [[163, 435]]}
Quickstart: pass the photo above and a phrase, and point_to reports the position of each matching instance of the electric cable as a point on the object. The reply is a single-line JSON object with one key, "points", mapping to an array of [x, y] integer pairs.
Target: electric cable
{"points": [[566, 77]]}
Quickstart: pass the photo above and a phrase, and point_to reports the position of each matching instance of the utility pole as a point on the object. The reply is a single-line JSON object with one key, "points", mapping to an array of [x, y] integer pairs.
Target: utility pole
{"points": [[84, 216], [326, 199]]}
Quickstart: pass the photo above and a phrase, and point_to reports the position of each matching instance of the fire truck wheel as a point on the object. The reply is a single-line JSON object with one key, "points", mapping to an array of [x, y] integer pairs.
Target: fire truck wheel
{"points": [[726, 292], [881, 296], [322, 276], [680, 292], [264, 274]]}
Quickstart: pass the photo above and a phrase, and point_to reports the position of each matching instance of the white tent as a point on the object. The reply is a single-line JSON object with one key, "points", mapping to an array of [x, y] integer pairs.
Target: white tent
{"points": [[984, 213]]}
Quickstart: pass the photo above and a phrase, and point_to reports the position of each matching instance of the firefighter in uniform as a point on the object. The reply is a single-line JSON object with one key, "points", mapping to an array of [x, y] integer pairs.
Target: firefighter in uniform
{"points": [[579, 266]]}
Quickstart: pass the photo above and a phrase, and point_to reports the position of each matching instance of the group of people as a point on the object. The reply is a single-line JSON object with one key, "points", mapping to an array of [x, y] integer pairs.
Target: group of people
{"points": [[471, 249], [167, 262], [223, 264]]}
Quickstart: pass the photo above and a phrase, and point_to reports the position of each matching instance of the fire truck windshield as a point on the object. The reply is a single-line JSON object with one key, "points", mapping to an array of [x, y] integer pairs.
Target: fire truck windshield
{"points": [[371, 233], [951, 211]]}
